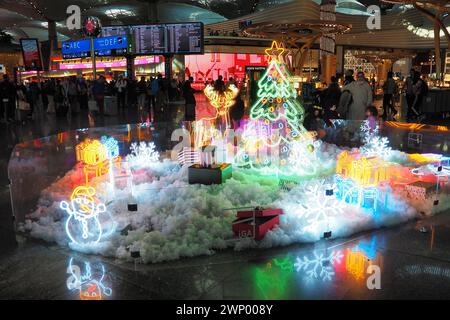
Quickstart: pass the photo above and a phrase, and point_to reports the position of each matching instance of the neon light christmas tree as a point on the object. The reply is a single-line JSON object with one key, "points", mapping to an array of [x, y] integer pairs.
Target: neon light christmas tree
{"points": [[277, 119]]}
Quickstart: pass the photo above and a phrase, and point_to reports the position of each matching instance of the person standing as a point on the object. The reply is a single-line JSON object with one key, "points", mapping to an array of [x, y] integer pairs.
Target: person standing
{"points": [[219, 85], [189, 104], [389, 89], [420, 89], [8, 99], [361, 97], [142, 93], [82, 89], [121, 89], [409, 95], [98, 91], [348, 77], [331, 95]]}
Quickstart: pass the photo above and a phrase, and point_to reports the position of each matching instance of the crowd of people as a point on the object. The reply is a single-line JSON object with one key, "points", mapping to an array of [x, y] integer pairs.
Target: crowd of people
{"points": [[352, 101], [72, 94]]}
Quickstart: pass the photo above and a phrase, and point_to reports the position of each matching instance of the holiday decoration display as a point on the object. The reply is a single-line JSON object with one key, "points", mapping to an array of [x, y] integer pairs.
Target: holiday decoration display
{"points": [[211, 174], [92, 27], [255, 223], [222, 101], [83, 225], [367, 171], [112, 147], [142, 155], [319, 266], [374, 145], [90, 284], [94, 155], [277, 119]]}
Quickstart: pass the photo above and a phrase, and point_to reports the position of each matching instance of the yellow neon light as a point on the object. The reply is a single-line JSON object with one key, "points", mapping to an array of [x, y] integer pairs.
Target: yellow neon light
{"points": [[355, 264], [222, 101], [365, 171], [275, 51]]}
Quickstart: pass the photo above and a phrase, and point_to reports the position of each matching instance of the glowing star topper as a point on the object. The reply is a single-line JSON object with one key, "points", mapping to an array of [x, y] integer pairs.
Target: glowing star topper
{"points": [[222, 101], [83, 225], [275, 51]]}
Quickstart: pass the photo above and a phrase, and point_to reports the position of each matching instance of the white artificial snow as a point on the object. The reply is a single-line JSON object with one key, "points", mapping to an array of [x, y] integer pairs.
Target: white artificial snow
{"points": [[175, 219]]}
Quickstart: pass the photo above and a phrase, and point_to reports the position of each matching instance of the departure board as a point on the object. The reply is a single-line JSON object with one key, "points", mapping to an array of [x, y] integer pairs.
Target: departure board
{"points": [[184, 38], [149, 39], [164, 38]]}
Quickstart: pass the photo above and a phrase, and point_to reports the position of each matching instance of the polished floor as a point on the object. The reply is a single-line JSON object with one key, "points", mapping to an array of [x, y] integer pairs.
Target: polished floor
{"points": [[412, 264]]}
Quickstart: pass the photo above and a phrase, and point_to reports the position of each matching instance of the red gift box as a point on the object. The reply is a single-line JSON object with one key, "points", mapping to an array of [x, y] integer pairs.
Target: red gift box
{"points": [[256, 223]]}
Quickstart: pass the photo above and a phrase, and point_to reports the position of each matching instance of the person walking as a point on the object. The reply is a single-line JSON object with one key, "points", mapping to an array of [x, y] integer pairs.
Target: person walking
{"points": [[142, 93], [189, 104], [7, 99], [121, 89], [98, 91], [390, 88], [83, 98]]}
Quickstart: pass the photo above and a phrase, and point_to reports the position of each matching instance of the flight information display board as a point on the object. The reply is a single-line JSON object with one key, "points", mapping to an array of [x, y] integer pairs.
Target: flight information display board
{"points": [[149, 39], [184, 38], [165, 38]]}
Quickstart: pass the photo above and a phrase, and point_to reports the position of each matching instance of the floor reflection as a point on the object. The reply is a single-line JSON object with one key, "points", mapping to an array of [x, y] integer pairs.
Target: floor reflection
{"points": [[88, 281]]}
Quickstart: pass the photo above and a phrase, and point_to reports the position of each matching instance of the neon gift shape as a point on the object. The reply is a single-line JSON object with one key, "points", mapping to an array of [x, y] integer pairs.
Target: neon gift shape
{"points": [[94, 155]]}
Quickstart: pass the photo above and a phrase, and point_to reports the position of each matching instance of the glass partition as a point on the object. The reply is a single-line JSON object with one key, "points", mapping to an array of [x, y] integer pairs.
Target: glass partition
{"points": [[168, 192]]}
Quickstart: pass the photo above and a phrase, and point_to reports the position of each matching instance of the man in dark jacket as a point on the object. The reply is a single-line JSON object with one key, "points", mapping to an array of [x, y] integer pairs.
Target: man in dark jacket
{"points": [[8, 98]]}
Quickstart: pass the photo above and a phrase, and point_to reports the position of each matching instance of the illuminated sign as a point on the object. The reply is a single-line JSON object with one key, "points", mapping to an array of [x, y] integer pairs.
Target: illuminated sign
{"points": [[107, 46]]}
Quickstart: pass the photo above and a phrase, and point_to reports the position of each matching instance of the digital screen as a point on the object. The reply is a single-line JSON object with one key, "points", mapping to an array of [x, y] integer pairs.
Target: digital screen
{"points": [[111, 46], [116, 31], [106, 46], [172, 38], [31, 54], [149, 39], [184, 38], [76, 49]]}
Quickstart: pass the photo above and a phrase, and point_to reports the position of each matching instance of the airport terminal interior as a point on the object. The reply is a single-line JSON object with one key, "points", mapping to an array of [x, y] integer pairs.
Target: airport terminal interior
{"points": [[224, 149]]}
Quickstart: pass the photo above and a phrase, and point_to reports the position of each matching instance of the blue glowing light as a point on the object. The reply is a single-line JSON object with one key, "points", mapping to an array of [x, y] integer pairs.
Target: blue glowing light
{"points": [[112, 146]]}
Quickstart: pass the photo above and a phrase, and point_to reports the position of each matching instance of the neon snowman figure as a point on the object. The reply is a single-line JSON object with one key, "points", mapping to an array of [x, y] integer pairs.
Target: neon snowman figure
{"points": [[83, 213]]}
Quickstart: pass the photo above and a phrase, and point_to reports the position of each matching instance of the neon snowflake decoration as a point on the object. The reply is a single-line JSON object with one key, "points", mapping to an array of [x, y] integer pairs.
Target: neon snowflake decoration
{"points": [[303, 156], [320, 205], [320, 266], [374, 145], [142, 155]]}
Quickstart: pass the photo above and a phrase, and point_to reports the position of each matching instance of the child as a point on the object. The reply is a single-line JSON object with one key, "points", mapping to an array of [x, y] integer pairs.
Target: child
{"points": [[372, 117]]}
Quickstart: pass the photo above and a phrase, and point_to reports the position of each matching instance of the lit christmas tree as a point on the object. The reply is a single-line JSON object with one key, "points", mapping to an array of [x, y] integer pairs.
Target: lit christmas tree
{"points": [[277, 120]]}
